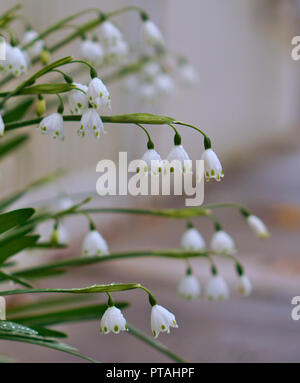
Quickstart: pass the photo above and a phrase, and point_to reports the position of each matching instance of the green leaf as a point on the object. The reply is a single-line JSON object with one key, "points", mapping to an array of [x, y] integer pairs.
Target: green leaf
{"points": [[113, 287], [77, 314], [17, 112], [8, 145], [47, 332], [11, 248], [15, 279], [15, 332], [14, 218]]}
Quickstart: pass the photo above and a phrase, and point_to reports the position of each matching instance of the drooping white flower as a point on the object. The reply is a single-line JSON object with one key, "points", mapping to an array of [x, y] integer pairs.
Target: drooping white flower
{"points": [[164, 84], [60, 235], [151, 70], [161, 320], [192, 240], [189, 287], [16, 62], [179, 154], [94, 244], [53, 125], [117, 53], [36, 48], [98, 94], [63, 203], [2, 127], [153, 162], [213, 167], [109, 34], [112, 321], [91, 51], [2, 308], [216, 288], [151, 34], [188, 74], [221, 242], [258, 226], [91, 121], [244, 285], [78, 101]]}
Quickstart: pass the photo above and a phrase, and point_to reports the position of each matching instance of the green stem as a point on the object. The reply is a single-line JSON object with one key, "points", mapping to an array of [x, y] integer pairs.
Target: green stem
{"points": [[190, 126], [156, 345]]}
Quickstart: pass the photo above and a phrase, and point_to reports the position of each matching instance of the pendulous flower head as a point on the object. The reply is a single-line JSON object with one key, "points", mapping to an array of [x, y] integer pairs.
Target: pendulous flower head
{"points": [[189, 287], [94, 244], [192, 240], [153, 162], [161, 320], [16, 62], [221, 242], [109, 34], [258, 226], [217, 289], [212, 164], [78, 101], [112, 321], [2, 127], [91, 121], [244, 286], [151, 34], [36, 48], [53, 125], [98, 94], [91, 51], [178, 153]]}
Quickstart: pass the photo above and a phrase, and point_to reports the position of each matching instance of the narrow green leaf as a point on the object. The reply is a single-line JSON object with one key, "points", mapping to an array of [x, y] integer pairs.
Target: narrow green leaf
{"points": [[14, 218], [8, 145], [13, 247], [18, 111]]}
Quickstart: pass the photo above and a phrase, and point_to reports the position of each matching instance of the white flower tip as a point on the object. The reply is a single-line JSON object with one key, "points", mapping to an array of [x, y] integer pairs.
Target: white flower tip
{"points": [[244, 286]]}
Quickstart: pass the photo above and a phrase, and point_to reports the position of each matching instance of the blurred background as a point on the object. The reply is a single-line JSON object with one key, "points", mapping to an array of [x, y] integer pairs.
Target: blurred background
{"points": [[247, 99]]}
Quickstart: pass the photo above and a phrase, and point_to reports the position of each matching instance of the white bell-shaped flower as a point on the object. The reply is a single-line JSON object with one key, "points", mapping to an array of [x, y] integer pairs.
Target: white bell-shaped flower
{"points": [[179, 154], [161, 320], [258, 226], [98, 94], [109, 34], [36, 48], [153, 162], [16, 62], [117, 53], [53, 125], [221, 242], [2, 308], [189, 287], [164, 84], [212, 165], [192, 240], [94, 244], [91, 51], [78, 101], [91, 121], [151, 34], [188, 74], [217, 289], [112, 321], [2, 127], [244, 285]]}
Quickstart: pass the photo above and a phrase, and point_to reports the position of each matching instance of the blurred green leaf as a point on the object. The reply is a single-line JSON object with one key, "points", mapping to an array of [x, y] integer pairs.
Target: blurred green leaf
{"points": [[18, 111], [13, 247], [14, 218], [77, 314], [8, 145]]}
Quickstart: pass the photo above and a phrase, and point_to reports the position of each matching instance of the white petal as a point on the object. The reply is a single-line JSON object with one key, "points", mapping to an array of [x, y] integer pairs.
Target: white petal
{"points": [[54, 125], [258, 227], [244, 285], [92, 52], [213, 167], [192, 240], [189, 287], [221, 242], [2, 127], [151, 35], [94, 244], [112, 320], [217, 289]]}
